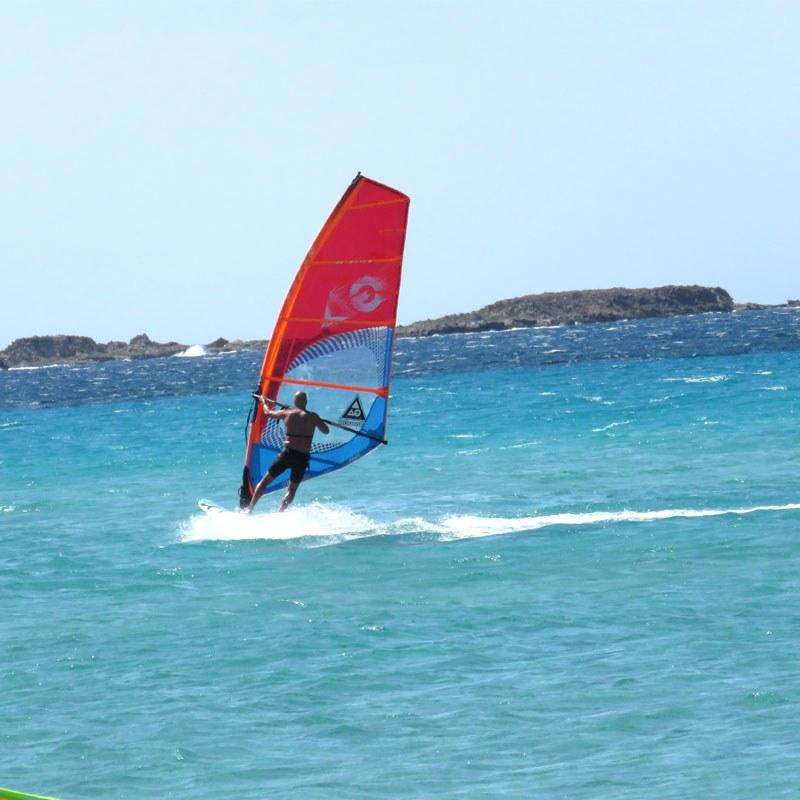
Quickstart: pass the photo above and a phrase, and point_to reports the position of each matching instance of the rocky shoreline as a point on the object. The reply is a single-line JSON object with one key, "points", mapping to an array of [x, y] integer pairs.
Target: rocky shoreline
{"points": [[528, 311]]}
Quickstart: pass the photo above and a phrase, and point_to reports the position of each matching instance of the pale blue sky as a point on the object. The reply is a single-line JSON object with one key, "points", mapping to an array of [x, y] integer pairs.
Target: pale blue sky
{"points": [[166, 165]]}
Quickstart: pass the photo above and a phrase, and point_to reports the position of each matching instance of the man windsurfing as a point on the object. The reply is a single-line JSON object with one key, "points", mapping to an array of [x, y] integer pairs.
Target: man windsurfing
{"points": [[300, 428]]}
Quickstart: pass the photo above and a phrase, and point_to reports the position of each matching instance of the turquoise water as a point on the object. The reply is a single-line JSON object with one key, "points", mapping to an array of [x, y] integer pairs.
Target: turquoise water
{"points": [[571, 580]]}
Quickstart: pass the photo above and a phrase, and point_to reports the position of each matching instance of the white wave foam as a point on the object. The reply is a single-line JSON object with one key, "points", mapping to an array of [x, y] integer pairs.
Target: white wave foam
{"points": [[471, 527], [43, 366], [334, 523], [321, 525], [195, 351]]}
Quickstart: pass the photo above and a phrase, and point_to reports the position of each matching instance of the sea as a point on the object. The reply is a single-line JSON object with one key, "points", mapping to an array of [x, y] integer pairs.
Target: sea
{"points": [[574, 572]]}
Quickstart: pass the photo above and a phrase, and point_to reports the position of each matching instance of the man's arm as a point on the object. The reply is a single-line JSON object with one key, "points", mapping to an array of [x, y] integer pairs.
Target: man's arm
{"points": [[321, 425], [279, 414]]}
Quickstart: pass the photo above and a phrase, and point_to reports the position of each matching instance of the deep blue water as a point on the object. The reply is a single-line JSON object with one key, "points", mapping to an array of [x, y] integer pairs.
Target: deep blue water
{"points": [[571, 574]]}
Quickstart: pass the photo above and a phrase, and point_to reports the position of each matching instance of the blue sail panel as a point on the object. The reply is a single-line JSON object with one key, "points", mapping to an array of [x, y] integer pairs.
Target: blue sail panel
{"points": [[327, 452]]}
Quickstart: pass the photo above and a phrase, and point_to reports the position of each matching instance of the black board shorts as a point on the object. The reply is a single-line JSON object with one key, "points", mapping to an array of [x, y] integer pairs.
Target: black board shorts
{"points": [[294, 460]]}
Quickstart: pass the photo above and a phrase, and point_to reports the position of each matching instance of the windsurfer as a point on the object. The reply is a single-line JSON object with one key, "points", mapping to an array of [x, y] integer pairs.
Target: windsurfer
{"points": [[300, 427]]}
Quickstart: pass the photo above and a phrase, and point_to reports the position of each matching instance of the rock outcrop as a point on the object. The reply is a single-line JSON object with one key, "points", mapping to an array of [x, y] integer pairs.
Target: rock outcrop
{"points": [[42, 351], [591, 305], [38, 351], [224, 346]]}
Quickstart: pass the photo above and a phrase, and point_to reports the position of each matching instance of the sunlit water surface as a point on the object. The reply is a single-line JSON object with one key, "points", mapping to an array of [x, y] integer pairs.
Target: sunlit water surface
{"points": [[573, 573]]}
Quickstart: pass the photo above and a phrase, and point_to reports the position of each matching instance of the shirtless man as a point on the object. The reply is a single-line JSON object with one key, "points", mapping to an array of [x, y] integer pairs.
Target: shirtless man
{"points": [[300, 426]]}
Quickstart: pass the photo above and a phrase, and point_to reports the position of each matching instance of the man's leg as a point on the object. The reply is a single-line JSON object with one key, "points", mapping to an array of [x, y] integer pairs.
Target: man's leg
{"points": [[259, 490], [289, 496]]}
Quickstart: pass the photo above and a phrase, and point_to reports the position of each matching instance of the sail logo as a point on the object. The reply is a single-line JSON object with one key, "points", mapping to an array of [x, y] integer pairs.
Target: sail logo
{"points": [[353, 415], [364, 296]]}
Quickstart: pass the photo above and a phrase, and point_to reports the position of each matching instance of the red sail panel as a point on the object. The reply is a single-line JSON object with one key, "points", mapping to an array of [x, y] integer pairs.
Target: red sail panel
{"points": [[334, 334]]}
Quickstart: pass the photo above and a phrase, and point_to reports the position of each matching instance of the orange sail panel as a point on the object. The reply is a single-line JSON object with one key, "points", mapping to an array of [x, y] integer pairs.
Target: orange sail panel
{"points": [[334, 335]]}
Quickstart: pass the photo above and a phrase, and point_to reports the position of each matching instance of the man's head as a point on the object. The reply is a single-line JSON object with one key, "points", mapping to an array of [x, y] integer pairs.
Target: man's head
{"points": [[300, 400]]}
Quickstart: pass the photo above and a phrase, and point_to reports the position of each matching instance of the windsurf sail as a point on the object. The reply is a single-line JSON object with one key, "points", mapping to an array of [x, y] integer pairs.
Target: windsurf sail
{"points": [[334, 335]]}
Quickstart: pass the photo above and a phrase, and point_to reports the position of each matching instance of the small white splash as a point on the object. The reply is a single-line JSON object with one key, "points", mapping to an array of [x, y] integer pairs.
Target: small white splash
{"points": [[195, 351], [773, 389], [698, 379], [7, 509], [43, 366], [611, 425]]}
